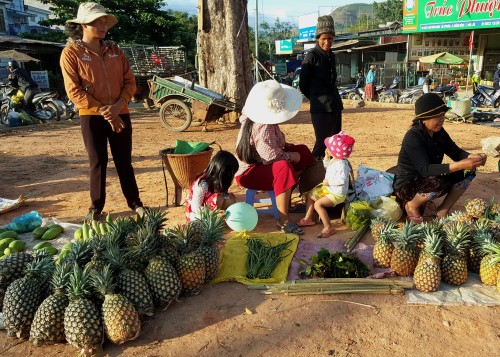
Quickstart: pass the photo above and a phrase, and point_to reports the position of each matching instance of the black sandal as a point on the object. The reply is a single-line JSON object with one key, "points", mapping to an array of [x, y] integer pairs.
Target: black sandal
{"points": [[292, 228]]}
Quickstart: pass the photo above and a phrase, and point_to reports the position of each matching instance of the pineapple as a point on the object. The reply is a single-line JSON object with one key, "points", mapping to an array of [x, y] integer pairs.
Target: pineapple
{"points": [[475, 207], [213, 225], [427, 277], [459, 216], [490, 264], [48, 324], [454, 264], [120, 319], [163, 281], [191, 265], [131, 283], [376, 225], [11, 268], [382, 251], [80, 254], [82, 322], [154, 219], [404, 257], [23, 297], [476, 252]]}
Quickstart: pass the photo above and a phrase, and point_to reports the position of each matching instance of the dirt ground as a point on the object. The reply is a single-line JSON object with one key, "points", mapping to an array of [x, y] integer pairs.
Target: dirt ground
{"points": [[48, 165]]}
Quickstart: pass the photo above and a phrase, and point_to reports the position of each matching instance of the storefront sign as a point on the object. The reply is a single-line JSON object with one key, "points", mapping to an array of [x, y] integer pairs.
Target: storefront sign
{"points": [[283, 47], [42, 78], [297, 47], [427, 44], [307, 27], [450, 15]]}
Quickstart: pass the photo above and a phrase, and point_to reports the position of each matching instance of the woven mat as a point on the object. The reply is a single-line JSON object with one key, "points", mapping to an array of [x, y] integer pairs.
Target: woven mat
{"points": [[7, 205]]}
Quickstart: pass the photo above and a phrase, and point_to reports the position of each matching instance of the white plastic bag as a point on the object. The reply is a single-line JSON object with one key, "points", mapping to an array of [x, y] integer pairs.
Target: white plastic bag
{"points": [[387, 208], [372, 183], [491, 145]]}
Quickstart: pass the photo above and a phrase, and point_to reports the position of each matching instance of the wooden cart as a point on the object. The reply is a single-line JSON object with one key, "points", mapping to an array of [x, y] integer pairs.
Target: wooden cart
{"points": [[183, 103]]}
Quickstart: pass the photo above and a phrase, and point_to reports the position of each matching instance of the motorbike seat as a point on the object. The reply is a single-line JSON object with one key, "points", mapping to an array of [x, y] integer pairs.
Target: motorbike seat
{"points": [[485, 87], [43, 94]]}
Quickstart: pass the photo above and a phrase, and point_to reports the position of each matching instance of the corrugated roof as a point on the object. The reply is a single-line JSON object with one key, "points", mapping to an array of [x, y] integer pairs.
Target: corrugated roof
{"points": [[16, 39], [344, 44], [378, 45]]}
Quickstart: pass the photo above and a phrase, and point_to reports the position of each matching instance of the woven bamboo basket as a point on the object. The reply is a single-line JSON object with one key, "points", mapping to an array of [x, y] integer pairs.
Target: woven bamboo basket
{"points": [[183, 168], [461, 106]]}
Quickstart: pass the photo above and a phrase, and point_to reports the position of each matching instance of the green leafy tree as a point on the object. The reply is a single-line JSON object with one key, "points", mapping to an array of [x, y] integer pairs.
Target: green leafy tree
{"points": [[364, 22], [268, 35], [390, 10]]}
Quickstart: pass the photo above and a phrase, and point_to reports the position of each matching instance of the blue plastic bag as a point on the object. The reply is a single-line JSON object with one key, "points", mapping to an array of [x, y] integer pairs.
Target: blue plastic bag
{"points": [[25, 223]]}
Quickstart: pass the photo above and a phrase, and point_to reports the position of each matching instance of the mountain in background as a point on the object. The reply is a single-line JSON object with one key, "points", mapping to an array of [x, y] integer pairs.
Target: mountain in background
{"points": [[345, 16]]}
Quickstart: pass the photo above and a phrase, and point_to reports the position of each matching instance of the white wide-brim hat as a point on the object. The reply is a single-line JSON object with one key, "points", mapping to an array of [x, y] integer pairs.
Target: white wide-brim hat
{"points": [[90, 11], [270, 102]]}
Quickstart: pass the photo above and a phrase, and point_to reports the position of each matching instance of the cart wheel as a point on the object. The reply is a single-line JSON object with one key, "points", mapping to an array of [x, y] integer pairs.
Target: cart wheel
{"points": [[175, 115]]}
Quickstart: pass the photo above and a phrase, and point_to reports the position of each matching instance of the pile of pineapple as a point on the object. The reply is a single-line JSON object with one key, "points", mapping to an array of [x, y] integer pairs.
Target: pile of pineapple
{"points": [[444, 248], [105, 285]]}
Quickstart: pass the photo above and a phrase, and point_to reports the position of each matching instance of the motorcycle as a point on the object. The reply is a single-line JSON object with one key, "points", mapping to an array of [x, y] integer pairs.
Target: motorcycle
{"points": [[446, 92], [345, 90], [71, 110], [486, 96], [47, 106], [391, 94], [359, 92], [410, 95]]}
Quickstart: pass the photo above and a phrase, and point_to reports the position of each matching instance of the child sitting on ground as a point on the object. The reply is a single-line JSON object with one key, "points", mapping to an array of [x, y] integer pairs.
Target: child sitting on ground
{"points": [[333, 190], [210, 188]]}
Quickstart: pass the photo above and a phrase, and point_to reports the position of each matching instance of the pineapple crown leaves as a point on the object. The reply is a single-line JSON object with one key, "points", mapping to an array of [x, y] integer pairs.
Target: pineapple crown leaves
{"points": [[145, 243], [154, 218], [185, 239], [388, 233], [80, 253], [103, 281], [409, 236], [457, 238], [432, 242], [121, 227], [60, 279], [79, 283], [377, 220], [213, 226], [493, 251], [489, 212], [41, 267], [482, 224]]}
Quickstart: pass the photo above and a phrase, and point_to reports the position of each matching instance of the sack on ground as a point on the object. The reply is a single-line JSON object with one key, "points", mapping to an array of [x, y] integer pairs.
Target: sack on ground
{"points": [[491, 145]]}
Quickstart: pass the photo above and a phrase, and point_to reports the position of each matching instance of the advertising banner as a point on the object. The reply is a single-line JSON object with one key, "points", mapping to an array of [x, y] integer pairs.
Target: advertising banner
{"points": [[307, 27], [450, 15], [41, 78], [428, 44], [283, 47]]}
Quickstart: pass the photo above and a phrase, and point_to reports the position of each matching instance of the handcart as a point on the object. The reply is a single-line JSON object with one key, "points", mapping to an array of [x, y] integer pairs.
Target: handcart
{"points": [[183, 103]]}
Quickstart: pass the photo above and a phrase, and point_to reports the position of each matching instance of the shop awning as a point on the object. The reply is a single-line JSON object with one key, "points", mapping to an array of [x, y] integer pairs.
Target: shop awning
{"points": [[379, 45], [347, 43], [17, 39], [18, 56]]}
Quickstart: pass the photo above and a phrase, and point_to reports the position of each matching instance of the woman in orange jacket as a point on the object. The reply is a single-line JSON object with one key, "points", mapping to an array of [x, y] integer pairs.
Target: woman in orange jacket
{"points": [[99, 80]]}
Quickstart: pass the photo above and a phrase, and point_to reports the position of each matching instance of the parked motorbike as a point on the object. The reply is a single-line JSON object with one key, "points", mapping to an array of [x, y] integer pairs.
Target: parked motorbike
{"points": [[70, 109], [410, 95], [359, 92], [446, 92], [486, 96], [47, 106], [391, 94], [345, 90]]}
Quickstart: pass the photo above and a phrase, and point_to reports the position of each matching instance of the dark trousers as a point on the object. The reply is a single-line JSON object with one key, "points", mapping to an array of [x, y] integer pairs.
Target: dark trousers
{"points": [[96, 133], [325, 125], [28, 98]]}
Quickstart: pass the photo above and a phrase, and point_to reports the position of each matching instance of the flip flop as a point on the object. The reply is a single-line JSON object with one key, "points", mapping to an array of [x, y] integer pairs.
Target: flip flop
{"points": [[327, 232], [303, 223], [291, 228], [415, 219]]}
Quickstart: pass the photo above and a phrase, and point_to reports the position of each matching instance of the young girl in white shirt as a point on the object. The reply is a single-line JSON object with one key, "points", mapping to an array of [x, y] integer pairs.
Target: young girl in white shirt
{"points": [[333, 190]]}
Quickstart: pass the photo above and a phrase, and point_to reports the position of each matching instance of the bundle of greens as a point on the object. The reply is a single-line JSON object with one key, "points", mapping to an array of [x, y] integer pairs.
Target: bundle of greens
{"points": [[334, 265], [263, 257], [358, 214]]}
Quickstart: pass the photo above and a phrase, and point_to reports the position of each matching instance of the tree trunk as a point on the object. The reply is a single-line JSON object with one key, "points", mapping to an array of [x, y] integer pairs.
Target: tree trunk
{"points": [[223, 54]]}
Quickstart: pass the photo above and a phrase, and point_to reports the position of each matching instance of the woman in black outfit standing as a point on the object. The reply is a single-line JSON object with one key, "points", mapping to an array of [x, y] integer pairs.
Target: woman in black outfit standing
{"points": [[318, 78]]}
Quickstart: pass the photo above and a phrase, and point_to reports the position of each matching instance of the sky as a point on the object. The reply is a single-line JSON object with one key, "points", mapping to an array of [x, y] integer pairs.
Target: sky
{"points": [[269, 10]]}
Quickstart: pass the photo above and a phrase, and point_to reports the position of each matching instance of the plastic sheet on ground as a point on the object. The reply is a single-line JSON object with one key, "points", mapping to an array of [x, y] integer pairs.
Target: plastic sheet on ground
{"points": [[65, 237], [234, 258], [472, 293], [306, 250]]}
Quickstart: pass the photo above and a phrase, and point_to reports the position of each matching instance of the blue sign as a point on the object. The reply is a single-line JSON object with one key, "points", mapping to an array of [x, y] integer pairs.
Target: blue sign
{"points": [[307, 33]]}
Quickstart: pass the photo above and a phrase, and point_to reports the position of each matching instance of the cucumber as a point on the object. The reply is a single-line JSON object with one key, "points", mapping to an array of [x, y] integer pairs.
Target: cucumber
{"points": [[78, 235], [17, 245], [95, 225], [51, 233], [103, 228], [85, 231], [8, 234], [38, 232], [41, 245]]}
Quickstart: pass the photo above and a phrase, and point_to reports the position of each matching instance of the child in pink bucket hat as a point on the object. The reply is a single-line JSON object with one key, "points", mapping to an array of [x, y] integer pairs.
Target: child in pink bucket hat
{"points": [[333, 190]]}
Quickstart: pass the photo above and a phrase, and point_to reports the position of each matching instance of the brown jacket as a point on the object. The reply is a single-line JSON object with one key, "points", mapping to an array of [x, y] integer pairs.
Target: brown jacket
{"points": [[92, 81]]}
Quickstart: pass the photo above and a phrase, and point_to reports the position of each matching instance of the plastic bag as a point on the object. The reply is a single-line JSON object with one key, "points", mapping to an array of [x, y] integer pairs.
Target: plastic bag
{"points": [[25, 223], [386, 207], [358, 214], [491, 146], [372, 183]]}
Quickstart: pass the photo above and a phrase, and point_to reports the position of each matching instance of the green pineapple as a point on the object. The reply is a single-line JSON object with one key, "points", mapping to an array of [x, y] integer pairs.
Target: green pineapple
{"points": [[213, 225], [80, 254], [476, 252], [82, 321], [24, 295], [427, 276], [376, 225], [11, 268], [48, 324], [155, 219], [456, 244], [131, 283], [404, 257], [163, 281], [120, 319]]}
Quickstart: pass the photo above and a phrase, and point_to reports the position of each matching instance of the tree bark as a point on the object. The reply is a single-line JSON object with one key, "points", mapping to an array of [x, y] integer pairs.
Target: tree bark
{"points": [[223, 51]]}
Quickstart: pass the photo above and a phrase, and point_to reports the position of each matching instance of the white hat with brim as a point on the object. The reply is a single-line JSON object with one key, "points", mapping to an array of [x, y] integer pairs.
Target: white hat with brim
{"points": [[90, 11], [270, 102]]}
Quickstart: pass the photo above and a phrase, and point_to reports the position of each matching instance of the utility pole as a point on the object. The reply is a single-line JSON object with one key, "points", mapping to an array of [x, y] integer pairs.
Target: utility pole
{"points": [[256, 41]]}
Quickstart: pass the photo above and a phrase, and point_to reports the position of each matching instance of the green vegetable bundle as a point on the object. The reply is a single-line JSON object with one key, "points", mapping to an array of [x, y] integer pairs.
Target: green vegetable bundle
{"points": [[263, 257], [358, 215], [334, 265]]}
